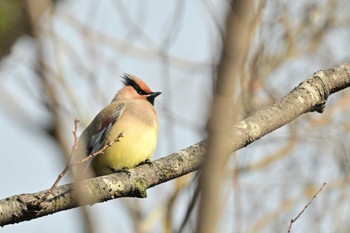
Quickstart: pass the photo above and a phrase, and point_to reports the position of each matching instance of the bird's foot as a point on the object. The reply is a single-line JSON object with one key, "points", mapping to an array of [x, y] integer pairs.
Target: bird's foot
{"points": [[147, 161], [124, 170]]}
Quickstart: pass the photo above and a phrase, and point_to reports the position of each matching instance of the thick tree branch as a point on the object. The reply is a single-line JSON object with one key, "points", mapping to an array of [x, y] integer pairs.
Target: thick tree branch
{"points": [[309, 96], [20, 207]]}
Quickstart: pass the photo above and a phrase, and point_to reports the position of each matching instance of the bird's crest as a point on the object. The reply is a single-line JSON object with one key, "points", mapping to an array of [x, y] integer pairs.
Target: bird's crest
{"points": [[135, 82]]}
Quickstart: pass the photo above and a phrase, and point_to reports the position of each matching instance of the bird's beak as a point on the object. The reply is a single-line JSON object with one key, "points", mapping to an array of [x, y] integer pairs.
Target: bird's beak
{"points": [[151, 96], [154, 94]]}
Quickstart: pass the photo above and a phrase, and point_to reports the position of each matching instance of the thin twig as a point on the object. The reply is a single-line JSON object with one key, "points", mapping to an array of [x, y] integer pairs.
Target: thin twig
{"points": [[74, 148], [88, 158], [75, 137], [305, 207], [99, 152]]}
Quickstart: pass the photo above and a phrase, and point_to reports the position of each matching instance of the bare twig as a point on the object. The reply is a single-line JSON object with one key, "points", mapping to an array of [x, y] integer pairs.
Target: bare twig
{"points": [[99, 152], [74, 148], [88, 158], [305, 207]]}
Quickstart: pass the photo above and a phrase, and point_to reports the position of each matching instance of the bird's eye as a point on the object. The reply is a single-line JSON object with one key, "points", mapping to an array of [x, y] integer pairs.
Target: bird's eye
{"points": [[140, 91]]}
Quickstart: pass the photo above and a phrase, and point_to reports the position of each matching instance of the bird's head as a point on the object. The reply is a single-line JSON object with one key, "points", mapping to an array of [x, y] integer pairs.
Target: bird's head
{"points": [[135, 88]]}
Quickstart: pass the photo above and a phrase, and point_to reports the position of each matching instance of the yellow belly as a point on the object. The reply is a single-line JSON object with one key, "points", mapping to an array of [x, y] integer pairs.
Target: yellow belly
{"points": [[132, 149]]}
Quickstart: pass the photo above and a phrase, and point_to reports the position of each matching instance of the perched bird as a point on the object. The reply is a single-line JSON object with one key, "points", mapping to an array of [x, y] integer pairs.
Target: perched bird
{"points": [[131, 113]]}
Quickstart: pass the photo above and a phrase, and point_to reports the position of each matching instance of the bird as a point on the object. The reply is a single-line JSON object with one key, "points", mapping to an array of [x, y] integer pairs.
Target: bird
{"points": [[131, 114]]}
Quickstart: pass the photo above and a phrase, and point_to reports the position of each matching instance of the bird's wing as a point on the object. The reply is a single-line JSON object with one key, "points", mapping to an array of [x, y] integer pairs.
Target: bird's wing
{"points": [[96, 141]]}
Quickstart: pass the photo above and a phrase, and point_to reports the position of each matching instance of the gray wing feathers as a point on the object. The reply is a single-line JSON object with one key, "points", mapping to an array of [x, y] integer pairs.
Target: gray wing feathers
{"points": [[97, 141]]}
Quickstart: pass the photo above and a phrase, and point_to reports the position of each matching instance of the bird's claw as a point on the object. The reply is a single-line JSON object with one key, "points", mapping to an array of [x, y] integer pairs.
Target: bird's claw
{"points": [[124, 170], [147, 161]]}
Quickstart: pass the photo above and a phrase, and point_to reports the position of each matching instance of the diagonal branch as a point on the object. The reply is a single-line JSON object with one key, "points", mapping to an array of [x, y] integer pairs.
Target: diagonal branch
{"points": [[309, 96]]}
